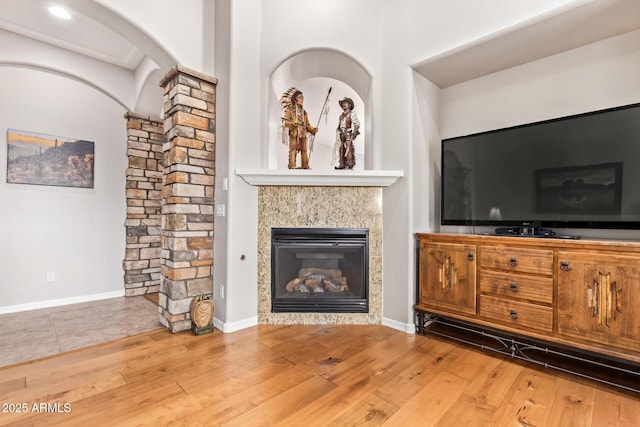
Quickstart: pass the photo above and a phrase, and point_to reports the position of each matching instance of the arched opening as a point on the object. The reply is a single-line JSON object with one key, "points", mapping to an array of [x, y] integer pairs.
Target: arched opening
{"points": [[314, 72]]}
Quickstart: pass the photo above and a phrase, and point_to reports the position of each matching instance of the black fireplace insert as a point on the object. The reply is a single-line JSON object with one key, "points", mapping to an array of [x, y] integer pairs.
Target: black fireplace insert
{"points": [[323, 270]]}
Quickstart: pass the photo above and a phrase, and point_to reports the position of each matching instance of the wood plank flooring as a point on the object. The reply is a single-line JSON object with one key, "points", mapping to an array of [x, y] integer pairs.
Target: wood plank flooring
{"points": [[300, 375]]}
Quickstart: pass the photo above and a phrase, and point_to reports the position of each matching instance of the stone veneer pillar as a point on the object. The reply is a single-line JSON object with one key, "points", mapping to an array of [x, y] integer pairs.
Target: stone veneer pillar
{"points": [[145, 139], [187, 194]]}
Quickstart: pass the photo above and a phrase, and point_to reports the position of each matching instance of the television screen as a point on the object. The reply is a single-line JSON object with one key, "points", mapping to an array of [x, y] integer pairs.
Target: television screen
{"points": [[580, 171]]}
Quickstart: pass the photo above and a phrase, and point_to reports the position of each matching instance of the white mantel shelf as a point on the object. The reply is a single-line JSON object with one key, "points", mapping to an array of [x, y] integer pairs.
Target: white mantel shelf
{"points": [[321, 178]]}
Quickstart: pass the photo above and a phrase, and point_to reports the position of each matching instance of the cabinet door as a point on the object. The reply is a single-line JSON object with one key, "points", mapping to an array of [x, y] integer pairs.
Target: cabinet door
{"points": [[448, 277], [599, 298]]}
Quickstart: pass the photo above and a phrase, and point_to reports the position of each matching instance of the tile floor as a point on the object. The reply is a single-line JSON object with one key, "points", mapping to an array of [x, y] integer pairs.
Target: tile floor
{"points": [[44, 332]]}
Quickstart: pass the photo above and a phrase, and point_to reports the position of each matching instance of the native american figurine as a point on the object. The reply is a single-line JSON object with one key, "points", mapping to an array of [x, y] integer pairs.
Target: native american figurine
{"points": [[296, 129], [348, 125]]}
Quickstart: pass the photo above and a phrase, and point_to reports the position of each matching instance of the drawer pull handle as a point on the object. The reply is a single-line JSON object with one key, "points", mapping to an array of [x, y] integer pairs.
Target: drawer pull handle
{"points": [[513, 287], [513, 315], [513, 262], [565, 266], [470, 256]]}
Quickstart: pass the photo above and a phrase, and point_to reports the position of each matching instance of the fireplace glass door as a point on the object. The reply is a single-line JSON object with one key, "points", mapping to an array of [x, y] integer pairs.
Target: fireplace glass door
{"points": [[319, 270]]}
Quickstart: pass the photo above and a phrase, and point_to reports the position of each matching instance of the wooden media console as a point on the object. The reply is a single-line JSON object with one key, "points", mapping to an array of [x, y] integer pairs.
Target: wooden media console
{"points": [[569, 304]]}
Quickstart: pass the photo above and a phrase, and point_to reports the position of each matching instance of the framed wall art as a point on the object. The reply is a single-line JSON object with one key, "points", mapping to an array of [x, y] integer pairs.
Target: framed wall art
{"points": [[39, 159], [591, 188]]}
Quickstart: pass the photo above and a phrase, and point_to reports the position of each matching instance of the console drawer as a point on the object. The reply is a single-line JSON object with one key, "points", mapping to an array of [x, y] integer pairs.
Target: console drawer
{"points": [[516, 314], [520, 286], [521, 260]]}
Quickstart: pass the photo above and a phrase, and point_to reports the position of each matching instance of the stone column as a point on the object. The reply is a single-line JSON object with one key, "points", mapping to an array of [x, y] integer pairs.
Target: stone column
{"points": [[187, 194], [145, 139]]}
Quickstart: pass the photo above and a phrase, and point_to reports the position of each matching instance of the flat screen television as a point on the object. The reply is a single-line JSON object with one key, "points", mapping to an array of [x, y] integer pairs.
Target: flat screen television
{"points": [[581, 171]]}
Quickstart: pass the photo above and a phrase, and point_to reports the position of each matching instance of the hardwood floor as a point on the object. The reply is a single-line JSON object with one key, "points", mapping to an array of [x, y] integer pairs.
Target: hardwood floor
{"points": [[300, 375]]}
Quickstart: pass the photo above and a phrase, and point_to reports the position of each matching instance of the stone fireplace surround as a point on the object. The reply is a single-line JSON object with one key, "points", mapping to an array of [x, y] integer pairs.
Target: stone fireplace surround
{"points": [[323, 198], [319, 207]]}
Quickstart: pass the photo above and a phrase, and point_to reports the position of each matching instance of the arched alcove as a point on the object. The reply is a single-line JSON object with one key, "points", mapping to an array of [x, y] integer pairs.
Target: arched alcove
{"points": [[314, 72]]}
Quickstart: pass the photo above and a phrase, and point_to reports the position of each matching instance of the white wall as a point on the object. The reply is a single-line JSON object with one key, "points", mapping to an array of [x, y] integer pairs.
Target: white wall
{"points": [[386, 38], [176, 26], [77, 233], [221, 55], [593, 77], [406, 127], [247, 116]]}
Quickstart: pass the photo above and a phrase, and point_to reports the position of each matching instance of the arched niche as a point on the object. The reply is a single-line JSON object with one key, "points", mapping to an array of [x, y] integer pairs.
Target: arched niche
{"points": [[314, 72]]}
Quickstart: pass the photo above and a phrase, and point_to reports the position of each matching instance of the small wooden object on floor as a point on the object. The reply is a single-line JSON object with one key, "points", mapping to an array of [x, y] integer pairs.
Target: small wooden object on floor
{"points": [[201, 331], [202, 310]]}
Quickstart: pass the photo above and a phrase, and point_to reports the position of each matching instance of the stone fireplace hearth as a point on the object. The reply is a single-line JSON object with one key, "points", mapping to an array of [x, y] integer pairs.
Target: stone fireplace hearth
{"points": [[320, 207]]}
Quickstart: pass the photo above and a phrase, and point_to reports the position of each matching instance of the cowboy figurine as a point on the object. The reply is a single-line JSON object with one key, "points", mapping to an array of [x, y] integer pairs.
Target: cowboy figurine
{"points": [[346, 133], [296, 125]]}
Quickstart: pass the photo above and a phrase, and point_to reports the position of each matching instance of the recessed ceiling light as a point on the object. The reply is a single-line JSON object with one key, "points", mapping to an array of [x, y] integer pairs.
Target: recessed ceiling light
{"points": [[59, 12]]}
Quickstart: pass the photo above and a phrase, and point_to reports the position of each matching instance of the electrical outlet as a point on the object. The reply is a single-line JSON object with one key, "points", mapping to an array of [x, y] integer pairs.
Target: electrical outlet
{"points": [[222, 291], [51, 276]]}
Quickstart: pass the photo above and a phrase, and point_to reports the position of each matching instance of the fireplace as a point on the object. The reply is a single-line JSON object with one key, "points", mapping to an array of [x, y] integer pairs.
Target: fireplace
{"points": [[319, 270]]}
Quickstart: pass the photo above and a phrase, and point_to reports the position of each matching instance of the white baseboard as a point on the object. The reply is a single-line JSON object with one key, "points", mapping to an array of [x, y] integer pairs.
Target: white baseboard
{"points": [[409, 328], [235, 326], [59, 302]]}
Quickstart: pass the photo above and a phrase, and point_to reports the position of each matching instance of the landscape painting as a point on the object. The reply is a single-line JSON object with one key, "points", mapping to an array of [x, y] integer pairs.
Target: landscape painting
{"points": [[39, 159], [582, 189]]}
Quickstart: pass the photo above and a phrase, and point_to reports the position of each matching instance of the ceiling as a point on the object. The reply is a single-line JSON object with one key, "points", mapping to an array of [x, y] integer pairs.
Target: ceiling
{"points": [[81, 34], [560, 30], [556, 32]]}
